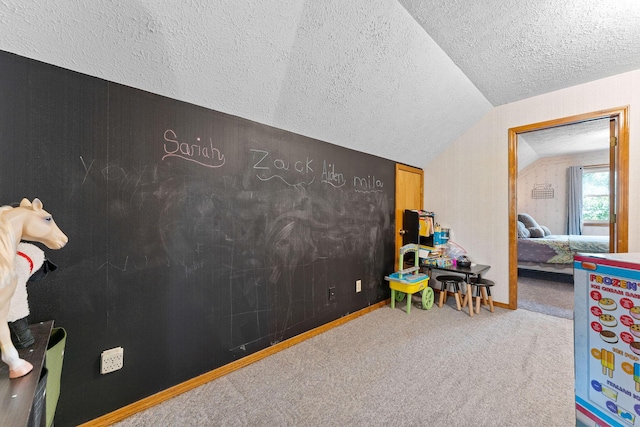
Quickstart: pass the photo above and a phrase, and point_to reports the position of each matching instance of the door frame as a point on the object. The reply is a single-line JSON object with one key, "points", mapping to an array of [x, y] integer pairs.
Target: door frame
{"points": [[402, 168], [621, 114]]}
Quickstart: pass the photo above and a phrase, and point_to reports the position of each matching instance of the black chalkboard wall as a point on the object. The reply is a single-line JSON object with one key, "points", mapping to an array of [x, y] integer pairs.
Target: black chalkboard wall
{"points": [[195, 238]]}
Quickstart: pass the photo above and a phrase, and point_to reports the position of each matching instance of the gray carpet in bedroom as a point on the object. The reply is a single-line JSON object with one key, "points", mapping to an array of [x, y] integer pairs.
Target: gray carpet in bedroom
{"points": [[436, 367], [548, 293]]}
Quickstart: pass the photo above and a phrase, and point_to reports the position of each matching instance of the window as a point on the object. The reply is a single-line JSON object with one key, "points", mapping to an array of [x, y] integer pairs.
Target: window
{"points": [[595, 194]]}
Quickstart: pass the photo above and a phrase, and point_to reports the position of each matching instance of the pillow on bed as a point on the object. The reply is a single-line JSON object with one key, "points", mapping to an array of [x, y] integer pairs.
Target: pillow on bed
{"points": [[527, 220], [523, 232], [534, 229], [546, 230]]}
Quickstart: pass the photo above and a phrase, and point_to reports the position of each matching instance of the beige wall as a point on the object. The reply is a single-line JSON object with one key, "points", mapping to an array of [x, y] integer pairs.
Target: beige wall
{"points": [[552, 170], [467, 185]]}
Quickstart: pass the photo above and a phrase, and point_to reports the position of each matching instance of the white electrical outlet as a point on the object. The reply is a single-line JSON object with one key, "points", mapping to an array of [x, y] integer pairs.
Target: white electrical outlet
{"points": [[111, 360], [358, 285]]}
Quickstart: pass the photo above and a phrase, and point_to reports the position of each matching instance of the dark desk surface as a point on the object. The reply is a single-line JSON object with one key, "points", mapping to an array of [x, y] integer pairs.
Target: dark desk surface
{"points": [[473, 270], [16, 395]]}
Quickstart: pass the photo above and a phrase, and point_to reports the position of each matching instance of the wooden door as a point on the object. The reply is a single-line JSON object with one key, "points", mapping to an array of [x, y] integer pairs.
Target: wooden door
{"points": [[409, 195]]}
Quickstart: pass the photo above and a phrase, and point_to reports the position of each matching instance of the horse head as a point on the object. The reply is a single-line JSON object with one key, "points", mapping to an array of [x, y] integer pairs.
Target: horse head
{"points": [[29, 222], [38, 225]]}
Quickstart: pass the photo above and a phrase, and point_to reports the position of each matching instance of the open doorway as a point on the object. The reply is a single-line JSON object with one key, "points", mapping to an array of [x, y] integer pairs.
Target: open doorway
{"points": [[618, 164]]}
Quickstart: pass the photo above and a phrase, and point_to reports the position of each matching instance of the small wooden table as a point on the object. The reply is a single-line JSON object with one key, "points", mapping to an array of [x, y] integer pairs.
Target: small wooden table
{"points": [[16, 395], [475, 270]]}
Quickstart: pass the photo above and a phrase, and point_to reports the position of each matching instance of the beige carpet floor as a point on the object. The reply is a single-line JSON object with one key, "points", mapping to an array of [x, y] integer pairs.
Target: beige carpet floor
{"points": [[546, 293], [436, 367]]}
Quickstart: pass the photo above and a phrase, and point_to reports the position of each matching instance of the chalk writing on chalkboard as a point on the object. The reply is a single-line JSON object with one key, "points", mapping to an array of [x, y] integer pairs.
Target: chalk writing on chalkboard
{"points": [[185, 216], [204, 154], [273, 167], [368, 184], [86, 169], [331, 177]]}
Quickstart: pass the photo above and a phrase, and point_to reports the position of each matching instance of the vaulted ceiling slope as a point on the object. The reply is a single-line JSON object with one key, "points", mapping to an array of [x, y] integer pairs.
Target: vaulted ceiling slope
{"points": [[364, 74], [360, 73], [514, 49]]}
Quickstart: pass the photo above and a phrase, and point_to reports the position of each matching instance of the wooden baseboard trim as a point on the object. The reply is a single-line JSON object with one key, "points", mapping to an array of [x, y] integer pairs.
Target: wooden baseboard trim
{"points": [[503, 305], [155, 399]]}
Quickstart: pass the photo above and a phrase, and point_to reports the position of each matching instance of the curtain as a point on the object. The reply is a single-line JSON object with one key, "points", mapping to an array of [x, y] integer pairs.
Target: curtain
{"points": [[574, 191]]}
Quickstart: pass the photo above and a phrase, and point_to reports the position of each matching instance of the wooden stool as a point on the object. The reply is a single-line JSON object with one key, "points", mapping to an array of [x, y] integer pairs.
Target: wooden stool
{"points": [[483, 291], [448, 281]]}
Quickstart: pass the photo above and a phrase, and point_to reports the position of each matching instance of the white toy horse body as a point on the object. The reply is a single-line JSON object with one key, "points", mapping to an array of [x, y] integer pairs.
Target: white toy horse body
{"points": [[29, 259], [26, 222]]}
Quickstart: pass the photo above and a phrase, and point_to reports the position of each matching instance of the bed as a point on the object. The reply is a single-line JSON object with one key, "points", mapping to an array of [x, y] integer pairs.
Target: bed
{"points": [[555, 252], [551, 252]]}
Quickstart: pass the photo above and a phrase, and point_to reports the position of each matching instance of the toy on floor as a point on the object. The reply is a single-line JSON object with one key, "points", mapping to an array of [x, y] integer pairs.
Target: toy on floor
{"points": [[25, 222], [409, 281]]}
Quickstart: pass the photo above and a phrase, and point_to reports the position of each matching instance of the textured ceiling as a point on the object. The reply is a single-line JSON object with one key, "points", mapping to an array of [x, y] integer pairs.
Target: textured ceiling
{"points": [[514, 49], [360, 73], [398, 79], [575, 138]]}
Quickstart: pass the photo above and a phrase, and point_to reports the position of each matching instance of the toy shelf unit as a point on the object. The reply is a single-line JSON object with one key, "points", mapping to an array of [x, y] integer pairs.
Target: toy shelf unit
{"points": [[410, 281], [418, 227]]}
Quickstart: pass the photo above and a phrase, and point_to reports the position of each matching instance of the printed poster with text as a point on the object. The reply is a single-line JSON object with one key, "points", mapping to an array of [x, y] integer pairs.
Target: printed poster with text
{"points": [[614, 343]]}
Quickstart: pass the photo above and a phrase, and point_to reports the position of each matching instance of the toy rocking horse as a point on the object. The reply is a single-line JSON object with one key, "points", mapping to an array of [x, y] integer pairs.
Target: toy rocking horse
{"points": [[25, 222]]}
